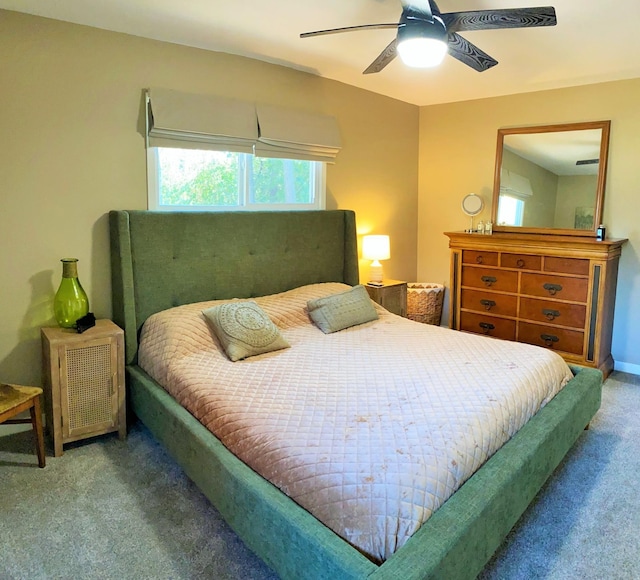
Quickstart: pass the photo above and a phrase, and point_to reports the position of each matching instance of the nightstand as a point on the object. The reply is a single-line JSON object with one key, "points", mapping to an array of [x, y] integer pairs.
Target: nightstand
{"points": [[392, 295], [83, 378]]}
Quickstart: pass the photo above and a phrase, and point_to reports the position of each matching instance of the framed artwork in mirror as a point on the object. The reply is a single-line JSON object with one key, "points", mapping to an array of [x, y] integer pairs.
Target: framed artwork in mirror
{"points": [[584, 219], [551, 178]]}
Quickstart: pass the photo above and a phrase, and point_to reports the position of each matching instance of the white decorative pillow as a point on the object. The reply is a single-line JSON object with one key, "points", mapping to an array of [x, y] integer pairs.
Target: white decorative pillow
{"points": [[244, 329], [340, 311]]}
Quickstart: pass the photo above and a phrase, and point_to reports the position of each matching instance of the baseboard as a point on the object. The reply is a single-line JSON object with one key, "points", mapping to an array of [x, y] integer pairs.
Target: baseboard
{"points": [[9, 429], [627, 368]]}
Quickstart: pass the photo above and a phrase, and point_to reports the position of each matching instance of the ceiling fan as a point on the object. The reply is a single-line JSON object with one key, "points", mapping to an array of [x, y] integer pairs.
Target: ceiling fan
{"points": [[425, 35]]}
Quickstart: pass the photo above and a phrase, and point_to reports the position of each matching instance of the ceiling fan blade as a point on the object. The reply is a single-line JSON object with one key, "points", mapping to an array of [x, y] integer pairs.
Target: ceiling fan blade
{"points": [[492, 19], [417, 9], [469, 54], [384, 58], [434, 8], [349, 29]]}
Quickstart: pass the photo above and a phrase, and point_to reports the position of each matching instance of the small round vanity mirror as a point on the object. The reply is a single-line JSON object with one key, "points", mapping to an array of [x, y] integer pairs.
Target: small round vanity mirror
{"points": [[472, 205]]}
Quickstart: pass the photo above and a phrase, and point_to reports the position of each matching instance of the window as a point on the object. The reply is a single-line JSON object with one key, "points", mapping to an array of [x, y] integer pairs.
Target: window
{"points": [[208, 152], [197, 180], [510, 211]]}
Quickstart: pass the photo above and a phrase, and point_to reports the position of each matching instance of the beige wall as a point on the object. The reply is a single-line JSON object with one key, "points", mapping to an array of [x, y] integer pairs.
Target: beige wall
{"points": [[73, 149], [574, 191], [457, 151]]}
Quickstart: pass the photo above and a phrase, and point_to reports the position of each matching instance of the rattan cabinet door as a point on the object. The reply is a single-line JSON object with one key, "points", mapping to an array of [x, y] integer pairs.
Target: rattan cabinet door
{"points": [[89, 399]]}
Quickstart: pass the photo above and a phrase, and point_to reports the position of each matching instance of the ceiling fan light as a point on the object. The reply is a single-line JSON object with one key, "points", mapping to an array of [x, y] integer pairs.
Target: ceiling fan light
{"points": [[421, 43], [422, 52]]}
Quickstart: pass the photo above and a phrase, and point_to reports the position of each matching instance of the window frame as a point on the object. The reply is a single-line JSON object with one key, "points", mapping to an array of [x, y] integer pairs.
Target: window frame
{"points": [[153, 192]]}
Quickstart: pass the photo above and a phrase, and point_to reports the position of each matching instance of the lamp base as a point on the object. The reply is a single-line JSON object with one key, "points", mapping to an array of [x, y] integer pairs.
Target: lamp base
{"points": [[375, 272]]}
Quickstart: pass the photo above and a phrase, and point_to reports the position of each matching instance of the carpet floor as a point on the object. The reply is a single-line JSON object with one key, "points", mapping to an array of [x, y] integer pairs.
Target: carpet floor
{"points": [[109, 509]]}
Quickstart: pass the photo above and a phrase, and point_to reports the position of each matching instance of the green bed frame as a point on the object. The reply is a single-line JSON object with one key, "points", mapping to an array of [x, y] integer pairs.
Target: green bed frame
{"points": [[161, 259]]}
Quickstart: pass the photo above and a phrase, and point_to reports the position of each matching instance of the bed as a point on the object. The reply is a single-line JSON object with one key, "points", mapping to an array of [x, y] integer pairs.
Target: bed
{"points": [[165, 260]]}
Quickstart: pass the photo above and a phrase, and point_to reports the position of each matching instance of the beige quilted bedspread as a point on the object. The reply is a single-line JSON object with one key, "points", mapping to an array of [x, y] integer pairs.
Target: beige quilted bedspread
{"points": [[370, 429]]}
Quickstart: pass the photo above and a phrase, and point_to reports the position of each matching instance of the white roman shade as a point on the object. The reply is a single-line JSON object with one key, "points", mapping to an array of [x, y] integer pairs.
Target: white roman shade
{"points": [[190, 121], [293, 134], [514, 185]]}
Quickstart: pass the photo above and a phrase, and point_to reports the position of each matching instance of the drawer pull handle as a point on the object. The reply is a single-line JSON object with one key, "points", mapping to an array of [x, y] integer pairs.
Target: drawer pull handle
{"points": [[550, 314], [488, 304], [549, 339], [487, 327], [479, 260], [520, 263], [553, 289], [489, 280]]}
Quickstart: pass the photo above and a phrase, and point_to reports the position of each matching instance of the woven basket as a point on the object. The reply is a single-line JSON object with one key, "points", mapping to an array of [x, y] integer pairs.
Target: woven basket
{"points": [[424, 302]]}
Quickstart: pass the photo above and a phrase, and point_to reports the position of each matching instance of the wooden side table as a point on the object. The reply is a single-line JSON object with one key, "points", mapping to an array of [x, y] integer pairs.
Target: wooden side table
{"points": [[83, 382], [14, 399], [392, 295]]}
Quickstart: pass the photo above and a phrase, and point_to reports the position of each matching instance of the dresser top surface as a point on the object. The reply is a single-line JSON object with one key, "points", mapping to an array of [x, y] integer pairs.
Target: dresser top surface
{"points": [[536, 243]]}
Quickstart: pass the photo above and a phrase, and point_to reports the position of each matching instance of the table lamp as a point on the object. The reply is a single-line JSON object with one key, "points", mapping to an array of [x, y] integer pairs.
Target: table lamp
{"points": [[375, 248]]}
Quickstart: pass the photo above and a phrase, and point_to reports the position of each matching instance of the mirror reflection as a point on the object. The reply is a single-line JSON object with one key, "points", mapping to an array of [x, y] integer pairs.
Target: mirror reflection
{"points": [[551, 177]]}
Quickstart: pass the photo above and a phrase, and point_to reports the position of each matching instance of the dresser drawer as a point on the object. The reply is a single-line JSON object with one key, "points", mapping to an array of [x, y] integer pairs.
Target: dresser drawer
{"points": [[489, 325], [493, 278], [521, 261], [483, 301], [480, 258], [574, 315], [566, 265], [555, 338], [559, 287]]}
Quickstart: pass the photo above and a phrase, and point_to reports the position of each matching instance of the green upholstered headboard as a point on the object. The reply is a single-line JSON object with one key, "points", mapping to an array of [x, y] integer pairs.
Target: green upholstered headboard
{"points": [[165, 259]]}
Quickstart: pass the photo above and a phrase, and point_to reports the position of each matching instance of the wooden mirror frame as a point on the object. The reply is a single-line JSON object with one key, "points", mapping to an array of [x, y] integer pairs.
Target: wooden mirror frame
{"points": [[602, 173]]}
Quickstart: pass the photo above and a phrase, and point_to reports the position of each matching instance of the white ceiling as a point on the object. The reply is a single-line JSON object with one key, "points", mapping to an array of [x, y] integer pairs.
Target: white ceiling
{"points": [[593, 42]]}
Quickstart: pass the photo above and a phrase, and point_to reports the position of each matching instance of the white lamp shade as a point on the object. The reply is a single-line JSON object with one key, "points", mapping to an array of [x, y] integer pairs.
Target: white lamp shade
{"points": [[376, 248]]}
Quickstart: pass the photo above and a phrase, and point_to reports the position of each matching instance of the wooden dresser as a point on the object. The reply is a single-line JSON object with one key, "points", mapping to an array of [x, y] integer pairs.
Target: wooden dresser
{"points": [[547, 290]]}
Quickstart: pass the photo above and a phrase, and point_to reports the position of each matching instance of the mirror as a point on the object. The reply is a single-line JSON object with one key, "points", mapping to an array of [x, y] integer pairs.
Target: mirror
{"points": [[472, 205], [550, 179]]}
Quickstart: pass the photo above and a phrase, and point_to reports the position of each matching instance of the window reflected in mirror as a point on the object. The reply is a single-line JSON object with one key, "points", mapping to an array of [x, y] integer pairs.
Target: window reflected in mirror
{"points": [[510, 211]]}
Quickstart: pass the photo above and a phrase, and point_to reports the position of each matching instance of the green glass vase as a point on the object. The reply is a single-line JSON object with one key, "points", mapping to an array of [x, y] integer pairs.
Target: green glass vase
{"points": [[70, 302]]}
